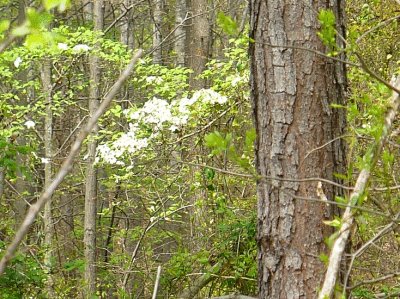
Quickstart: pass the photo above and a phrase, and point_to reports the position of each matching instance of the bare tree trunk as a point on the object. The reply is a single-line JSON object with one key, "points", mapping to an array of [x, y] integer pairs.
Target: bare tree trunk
{"points": [[2, 181], [198, 43], [126, 26], [292, 91], [180, 32], [19, 204], [91, 171], [48, 147], [88, 9], [157, 34]]}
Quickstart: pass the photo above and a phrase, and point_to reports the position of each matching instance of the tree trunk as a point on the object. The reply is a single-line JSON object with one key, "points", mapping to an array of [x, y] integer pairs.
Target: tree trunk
{"points": [[126, 37], [292, 90], [180, 32], [2, 181], [91, 171], [198, 42], [48, 148], [157, 35]]}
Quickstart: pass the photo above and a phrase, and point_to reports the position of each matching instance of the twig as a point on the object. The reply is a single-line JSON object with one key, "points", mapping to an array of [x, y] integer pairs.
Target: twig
{"points": [[356, 254], [156, 283], [66, 166], [272, 178], [381, 24], [208, 125], [319, 53], [365, 67], [325, 144]]}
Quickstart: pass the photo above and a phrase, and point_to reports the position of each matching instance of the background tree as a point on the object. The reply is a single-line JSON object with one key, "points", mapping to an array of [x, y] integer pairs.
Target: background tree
{"points": [[91, 171]]}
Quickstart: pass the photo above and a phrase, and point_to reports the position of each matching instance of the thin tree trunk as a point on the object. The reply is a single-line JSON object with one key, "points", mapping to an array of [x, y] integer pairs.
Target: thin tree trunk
{"points": [[88, 9], [48, 147], [2, 181], [19, 204], [91, 171], [126, 36], [198, 42], [291, 93], [180, 32], [157, 34]]}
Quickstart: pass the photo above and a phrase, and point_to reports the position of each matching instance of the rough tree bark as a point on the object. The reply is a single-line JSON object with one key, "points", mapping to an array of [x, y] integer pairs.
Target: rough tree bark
{"points": [[91, 171], [292, 90]]}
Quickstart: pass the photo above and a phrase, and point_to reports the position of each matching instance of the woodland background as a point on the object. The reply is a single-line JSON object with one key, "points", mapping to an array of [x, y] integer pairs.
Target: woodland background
{"points": [[167, 177]]}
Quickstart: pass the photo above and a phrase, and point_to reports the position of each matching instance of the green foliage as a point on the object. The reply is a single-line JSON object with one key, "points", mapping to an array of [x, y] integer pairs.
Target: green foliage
{"points": [[61, 5], [23, 277], [4, 25], [227, 24], [328, 31]]}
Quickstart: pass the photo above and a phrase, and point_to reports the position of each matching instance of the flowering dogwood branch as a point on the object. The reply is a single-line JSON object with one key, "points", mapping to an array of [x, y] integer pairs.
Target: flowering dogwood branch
{"points": [[66, 166], [158, 114]]}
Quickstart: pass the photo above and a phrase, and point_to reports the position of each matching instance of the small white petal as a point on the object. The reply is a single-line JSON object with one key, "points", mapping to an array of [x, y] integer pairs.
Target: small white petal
{"points": [[62, 46], [45, 160], [81, 48], [29, 124], [17, 62]]}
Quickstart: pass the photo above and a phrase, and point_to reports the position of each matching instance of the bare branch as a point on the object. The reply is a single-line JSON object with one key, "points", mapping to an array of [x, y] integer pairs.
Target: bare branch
{"points": [[319, 53], [272, 178], [381, 24], [156, 283], [360, 251]]}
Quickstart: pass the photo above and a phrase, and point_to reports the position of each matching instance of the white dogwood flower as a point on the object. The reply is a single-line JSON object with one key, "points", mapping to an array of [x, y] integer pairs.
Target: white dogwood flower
{"points": [[29, 124], [62, 46], [81, 48], [17, 62]]}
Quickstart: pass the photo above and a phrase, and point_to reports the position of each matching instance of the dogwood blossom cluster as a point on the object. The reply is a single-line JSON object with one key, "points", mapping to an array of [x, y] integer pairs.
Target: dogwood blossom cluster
{"points": [[128, 142], [158, 114]]}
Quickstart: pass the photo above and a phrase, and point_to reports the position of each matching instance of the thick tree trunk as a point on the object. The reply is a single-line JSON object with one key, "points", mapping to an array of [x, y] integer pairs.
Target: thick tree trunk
{"points": [[292, 90], [48, 148], [91, 171]]}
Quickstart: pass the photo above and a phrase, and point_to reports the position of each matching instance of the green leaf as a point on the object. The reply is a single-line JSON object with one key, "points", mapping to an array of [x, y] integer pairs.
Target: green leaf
{"points": [[21, 30], [209, 173], [250, 138], [227, 24], [327, 33], [62, 5], [331, 239], [4, 25], [335, 222], [39, 39], [324, 258], [38, 20]]}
